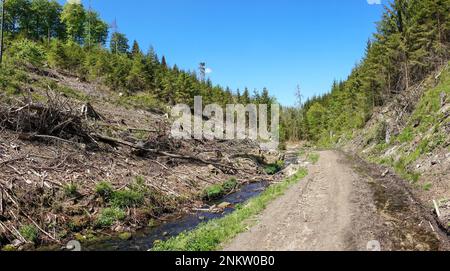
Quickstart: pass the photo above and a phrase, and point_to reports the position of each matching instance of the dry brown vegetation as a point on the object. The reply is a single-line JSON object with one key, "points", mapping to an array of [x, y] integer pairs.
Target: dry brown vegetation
{"points": [[56, 151]]}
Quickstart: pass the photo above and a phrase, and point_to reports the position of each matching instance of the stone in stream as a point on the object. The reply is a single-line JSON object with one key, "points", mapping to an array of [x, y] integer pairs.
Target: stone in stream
{"points": [[224, 205]]}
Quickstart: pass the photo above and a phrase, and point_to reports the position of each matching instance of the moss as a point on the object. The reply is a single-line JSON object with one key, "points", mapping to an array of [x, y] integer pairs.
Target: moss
{"points": [[104, 190], [109, 216], [125, 236], [127, 198], [78, 223], [230, 185], [9, 248], [214, 192], [71, 190], [272, 169]]}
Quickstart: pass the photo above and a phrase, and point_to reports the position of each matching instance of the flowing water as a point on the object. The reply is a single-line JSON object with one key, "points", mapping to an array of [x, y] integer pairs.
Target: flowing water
{"points": [[144, 240]]}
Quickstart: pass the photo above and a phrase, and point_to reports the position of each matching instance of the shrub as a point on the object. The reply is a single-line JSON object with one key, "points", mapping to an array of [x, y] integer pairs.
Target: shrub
{"points": [[25, 51]]}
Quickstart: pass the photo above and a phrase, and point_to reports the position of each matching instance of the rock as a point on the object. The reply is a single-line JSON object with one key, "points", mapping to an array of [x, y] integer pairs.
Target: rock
{"points": [[16, 243], [165, 234], [125, 236], [224, 205]]}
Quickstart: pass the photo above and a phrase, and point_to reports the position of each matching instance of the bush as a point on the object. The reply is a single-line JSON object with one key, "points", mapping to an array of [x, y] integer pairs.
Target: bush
{"points": [[25, 51]]}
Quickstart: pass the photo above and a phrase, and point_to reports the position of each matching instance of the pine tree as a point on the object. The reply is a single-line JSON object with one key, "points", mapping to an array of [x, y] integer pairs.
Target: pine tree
{"points": [[136, 50], [119, 43]]}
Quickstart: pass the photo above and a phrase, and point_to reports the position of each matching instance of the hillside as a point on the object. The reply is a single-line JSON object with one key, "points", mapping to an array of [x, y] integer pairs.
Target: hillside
{"points": [[393, 107], [76, 162], [416, 143], [85, 132]]}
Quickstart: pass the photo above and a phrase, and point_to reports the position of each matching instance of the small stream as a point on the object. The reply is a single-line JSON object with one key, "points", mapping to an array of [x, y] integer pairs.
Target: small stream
{"points": [[144, 240]]}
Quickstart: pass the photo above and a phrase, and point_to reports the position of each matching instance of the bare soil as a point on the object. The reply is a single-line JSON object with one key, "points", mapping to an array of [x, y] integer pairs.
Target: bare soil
{"points": [[344, 204]]}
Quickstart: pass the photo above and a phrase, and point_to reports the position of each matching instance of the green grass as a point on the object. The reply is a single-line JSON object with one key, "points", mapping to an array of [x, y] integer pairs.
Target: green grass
{"points": [[423, 134], [104, 190], [29, 232], [427, 186], [109, 216], [313, 158], [141, 100], [127, 198], [218, 190], [272, 169], [71, 190], [209, 236]]}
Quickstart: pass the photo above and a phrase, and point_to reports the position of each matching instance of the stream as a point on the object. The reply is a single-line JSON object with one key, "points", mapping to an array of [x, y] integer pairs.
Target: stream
{"points": [[144, 240]]}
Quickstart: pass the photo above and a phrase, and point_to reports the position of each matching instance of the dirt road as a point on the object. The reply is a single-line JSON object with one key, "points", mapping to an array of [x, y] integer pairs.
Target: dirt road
{"points": [[343, 205]]}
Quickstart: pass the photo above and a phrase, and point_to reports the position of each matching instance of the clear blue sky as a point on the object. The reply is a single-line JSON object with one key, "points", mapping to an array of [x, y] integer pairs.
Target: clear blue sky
{"points": [[253, 43]]}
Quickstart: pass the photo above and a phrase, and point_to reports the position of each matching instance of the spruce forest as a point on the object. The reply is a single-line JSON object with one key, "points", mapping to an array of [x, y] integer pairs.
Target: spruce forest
{"points": [[89, 160]]}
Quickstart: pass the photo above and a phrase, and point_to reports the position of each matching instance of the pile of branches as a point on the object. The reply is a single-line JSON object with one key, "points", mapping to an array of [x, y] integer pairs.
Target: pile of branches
{"points": [[56, 119]]}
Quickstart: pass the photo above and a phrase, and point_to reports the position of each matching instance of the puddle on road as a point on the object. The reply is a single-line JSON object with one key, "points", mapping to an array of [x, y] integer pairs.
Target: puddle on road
{"points": [[406, 223]]}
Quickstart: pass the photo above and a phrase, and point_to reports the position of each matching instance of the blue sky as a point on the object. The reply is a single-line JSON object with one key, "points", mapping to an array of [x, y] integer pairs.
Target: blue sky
{"points": [[253, 43]]}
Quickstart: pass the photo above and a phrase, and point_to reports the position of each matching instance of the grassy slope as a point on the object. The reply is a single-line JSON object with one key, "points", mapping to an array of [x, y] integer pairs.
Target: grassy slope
{"points": [[424, 134], [210, 236]]}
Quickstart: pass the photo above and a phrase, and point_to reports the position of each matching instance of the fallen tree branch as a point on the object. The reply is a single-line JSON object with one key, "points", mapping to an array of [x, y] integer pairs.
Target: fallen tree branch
{"points": [[436, 206], [107, 139], [13, 160], [31, 220]]}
